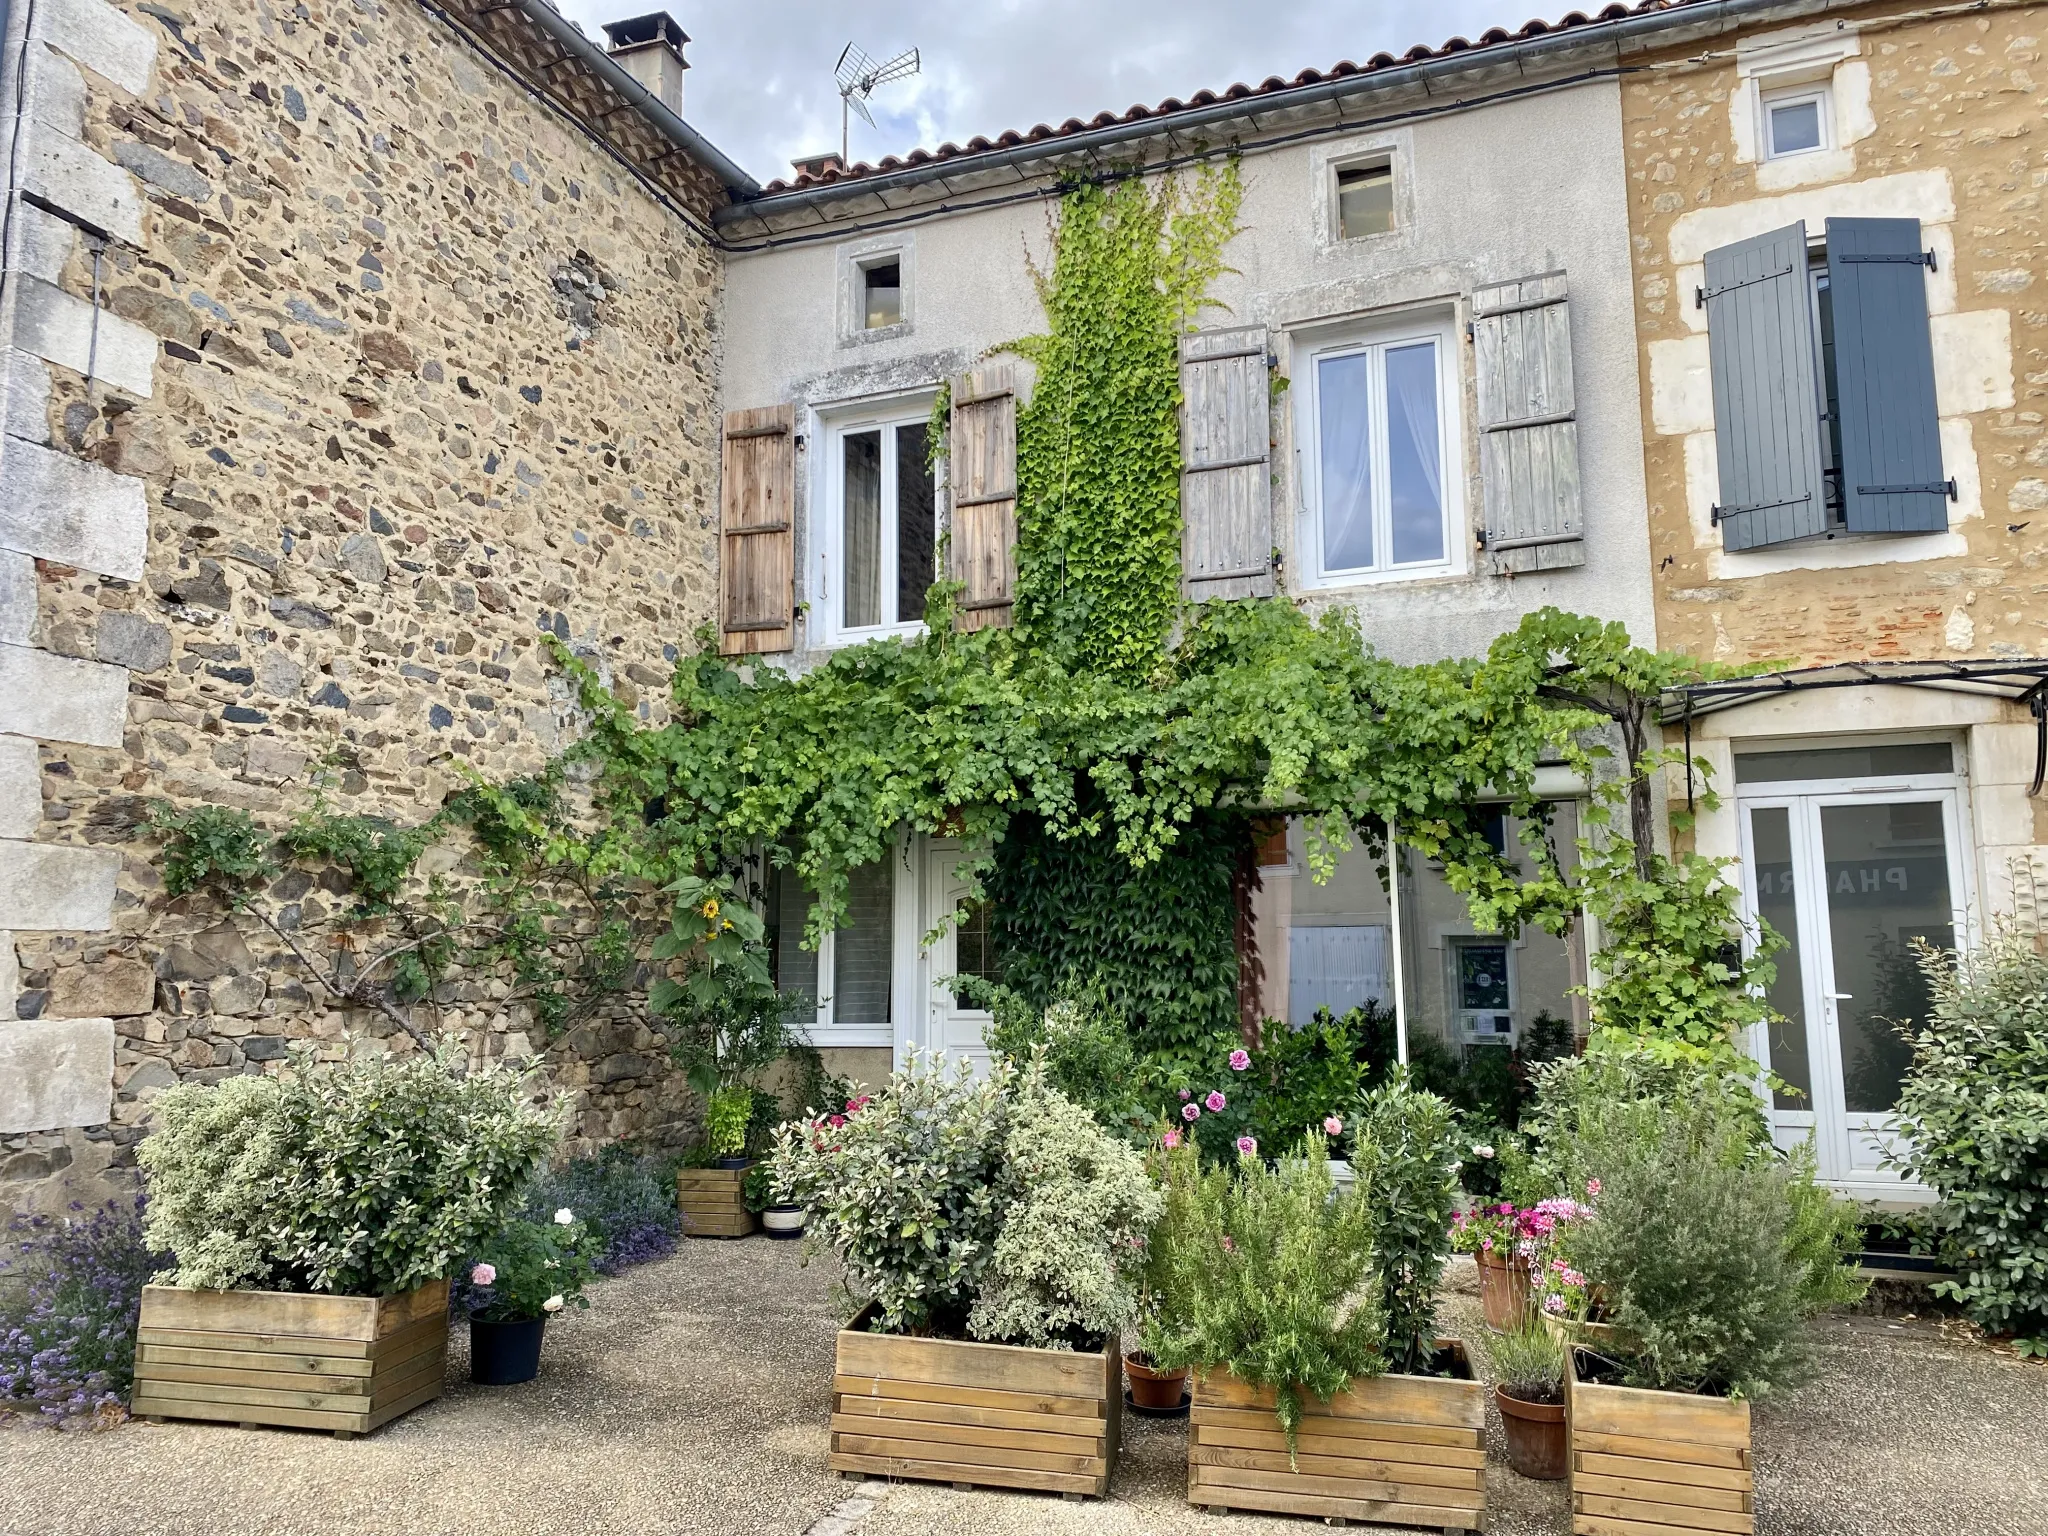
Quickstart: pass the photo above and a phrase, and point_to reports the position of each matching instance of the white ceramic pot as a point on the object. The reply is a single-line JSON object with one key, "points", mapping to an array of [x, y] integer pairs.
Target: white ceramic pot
{"points": [[1341, 1175], [784, 1221]]}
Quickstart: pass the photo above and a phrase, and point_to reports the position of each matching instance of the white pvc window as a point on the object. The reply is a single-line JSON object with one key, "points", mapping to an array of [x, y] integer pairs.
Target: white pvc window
{"points": [[1380, 434], [877, 524], [1797, 122]]}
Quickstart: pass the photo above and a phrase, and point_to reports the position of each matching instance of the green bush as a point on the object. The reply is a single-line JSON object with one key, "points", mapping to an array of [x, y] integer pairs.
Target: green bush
{"points": [[1976, 1105], [1713, 1253], [1085, 1044], [1268, 1273], [530, 1269], [1404, 1154], [365, 1178]]}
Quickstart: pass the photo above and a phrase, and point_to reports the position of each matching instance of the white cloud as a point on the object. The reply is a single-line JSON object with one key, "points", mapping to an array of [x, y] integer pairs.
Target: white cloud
{"points": [[760, 83]]}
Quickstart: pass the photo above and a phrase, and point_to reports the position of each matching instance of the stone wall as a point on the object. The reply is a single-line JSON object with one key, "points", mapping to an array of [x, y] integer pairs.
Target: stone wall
{"points": [[394, 371], [1936, 120]]}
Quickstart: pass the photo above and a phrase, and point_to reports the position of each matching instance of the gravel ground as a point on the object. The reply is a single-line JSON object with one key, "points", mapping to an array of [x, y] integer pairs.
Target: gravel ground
{"points": [[693, 1396]]}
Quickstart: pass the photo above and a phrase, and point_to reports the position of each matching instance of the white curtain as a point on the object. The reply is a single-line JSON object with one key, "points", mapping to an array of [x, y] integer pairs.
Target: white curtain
{"points": [[1335, 968], [1345, 431], [1417, 491]]}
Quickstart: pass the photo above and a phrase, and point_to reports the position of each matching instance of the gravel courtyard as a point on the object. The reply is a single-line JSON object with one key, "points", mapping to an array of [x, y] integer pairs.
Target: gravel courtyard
{"points": [[693, 1397]]}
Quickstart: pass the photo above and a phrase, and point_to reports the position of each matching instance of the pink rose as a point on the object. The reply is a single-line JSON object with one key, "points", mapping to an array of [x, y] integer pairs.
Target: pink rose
{"points": [[1246, 1146], [1239, 1060], [483, 1274], [1191, 1112], [1215, 1100], [1332, 1126], [1185, 1095], [1171, 1140]]}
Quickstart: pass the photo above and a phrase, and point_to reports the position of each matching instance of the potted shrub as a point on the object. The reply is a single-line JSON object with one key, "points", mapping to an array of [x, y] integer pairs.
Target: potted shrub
{"points": [[1713, 1250], [992, 1233], [1528, 1362], [1492, 1235], [529, 1272], [314, 1218], [783, 1220], [1321, 1387]]}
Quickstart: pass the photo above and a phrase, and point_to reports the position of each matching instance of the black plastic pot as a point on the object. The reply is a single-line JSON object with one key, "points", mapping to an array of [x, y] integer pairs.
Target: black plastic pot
{"points": [[502, 1354], [732, 1163]]}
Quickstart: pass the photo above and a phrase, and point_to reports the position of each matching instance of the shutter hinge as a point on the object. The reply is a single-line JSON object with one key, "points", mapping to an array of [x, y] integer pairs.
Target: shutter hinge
{"points": [[1938, 488], [1916, 258], [1701, 295], [1721, 514]]}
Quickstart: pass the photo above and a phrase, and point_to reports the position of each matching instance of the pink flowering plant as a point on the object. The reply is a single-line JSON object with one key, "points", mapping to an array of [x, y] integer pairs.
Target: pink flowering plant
{"points": [[1261, 1100], [530, 1269], [1492, 1229], [1549, 1245]]}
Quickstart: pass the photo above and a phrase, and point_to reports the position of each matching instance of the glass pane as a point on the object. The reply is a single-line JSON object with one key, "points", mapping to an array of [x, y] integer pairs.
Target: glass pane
{"points": [[1831, 441], [884, 289], [1771, 836], [863, 574], [862, 949], [914, 525], [974, 947], [1881, 762], [1887, 869], [1483, 976], [1345, 430], [789, 904], [1365, 200], [1414, 454], [1795, 126]]}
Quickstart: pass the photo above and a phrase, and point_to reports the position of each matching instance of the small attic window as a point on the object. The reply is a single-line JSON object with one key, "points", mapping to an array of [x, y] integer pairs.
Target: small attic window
{"points": [[882, 293], [1365, 199]]}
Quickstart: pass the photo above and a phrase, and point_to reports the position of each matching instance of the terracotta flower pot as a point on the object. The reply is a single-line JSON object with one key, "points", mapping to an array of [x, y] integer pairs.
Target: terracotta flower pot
{"points": [[1536, 1436], [1503, 1290], [1155, 1389]]}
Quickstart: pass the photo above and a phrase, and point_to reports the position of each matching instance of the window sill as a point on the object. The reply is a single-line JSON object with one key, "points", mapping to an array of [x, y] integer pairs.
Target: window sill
{"points": [[1366, 581], [866, 336]]}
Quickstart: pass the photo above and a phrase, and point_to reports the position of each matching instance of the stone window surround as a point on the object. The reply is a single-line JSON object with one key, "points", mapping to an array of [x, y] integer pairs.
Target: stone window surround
{"points": [[1973, 368], [1827, 57], [852, 262], [1395, 148]]}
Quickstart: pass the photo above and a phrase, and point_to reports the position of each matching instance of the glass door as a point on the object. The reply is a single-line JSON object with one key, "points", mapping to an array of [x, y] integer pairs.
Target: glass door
{"points": [[1855, 882], [962, 945]]}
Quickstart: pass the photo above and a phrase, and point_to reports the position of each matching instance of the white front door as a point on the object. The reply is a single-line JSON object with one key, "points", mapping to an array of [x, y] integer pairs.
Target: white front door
{"points": [[1852, 877], [934, 948]]}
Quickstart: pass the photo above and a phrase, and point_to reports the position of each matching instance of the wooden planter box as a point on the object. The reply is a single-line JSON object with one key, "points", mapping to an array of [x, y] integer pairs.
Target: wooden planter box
{"points": [[345, 1363], [711, 1203], [1656, 1463], [1395, 1450], [975, 1415]]}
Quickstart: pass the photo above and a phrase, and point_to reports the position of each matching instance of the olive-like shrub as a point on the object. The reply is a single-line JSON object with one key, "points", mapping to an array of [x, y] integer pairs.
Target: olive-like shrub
{"points": [[992, 1207], [363, 1178]]}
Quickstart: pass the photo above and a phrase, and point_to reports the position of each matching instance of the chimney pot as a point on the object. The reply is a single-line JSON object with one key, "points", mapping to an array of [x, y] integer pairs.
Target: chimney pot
{"points": [[817, 167], [650, 49]]}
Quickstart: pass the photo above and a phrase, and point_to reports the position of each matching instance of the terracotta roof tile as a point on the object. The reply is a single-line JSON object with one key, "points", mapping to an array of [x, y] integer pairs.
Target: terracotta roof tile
{"points": [[1492, 37]]}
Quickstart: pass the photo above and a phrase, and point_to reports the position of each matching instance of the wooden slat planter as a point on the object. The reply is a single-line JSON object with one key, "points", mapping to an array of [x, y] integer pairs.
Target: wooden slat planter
{"points": [[975, 1415], [711, 1203], [341, 1363], [1394, 1450], [1657, 1463]]}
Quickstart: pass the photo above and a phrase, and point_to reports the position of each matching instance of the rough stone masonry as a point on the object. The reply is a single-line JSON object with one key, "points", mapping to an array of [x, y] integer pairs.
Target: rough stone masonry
{"points": [[393, 370]]}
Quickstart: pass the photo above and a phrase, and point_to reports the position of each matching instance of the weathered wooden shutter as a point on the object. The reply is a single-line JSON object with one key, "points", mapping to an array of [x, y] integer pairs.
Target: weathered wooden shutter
{"points": [[1764, 358], [1226, 477], [982, 459], [757, 568], [1884, 378], [1528, 426]]}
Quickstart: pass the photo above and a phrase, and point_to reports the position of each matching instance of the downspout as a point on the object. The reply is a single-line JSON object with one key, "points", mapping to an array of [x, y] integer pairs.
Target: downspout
{"points": [[645, 102], [1423, 72]]}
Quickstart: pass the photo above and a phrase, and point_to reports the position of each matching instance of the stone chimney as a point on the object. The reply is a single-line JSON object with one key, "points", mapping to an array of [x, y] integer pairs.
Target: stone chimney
{"points": [[650, 49], [817, 167]]}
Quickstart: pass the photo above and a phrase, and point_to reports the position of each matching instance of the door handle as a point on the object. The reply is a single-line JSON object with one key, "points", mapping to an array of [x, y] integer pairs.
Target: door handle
{"points": [[1841, 997]]}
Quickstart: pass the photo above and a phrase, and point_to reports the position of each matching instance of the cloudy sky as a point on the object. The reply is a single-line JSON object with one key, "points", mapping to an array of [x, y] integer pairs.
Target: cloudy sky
{"points": [[760, 82]]}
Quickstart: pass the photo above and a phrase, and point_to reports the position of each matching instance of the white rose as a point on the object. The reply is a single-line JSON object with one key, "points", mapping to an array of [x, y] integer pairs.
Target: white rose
{"points": [[564, 1216], [1483, 1151], [552, 1304]]}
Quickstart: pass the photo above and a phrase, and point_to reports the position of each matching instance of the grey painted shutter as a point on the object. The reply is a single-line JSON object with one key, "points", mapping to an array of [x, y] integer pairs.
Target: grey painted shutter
{"points": [[1226, 474], [982, 469], [1892, 480], [1764, 356], [1528, 431], [757, 564]]}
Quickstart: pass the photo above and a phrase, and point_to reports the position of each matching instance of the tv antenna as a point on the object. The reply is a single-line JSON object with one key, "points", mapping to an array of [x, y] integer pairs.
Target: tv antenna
{"points": [[858, 75]]}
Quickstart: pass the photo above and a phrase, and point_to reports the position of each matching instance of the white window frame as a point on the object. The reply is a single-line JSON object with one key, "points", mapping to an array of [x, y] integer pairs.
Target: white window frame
{"points": [[823, 1029], [827, 516], [1821, 94], [1439, 328]]}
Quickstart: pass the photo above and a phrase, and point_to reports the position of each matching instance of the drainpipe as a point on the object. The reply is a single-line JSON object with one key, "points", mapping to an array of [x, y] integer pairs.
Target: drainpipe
{"points": [[1726, 14], [645, 102], [1394, 942]]}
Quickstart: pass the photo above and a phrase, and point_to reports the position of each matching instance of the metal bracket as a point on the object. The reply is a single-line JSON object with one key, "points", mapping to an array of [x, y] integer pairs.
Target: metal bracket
{"points": [[1916, 258], [1701, 295], [1937, 488], [1721, 514]]}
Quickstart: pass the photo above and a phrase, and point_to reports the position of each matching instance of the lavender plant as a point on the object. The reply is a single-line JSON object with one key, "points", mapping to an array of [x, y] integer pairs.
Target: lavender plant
{"points": [[69, 1299], [623, 1198]]}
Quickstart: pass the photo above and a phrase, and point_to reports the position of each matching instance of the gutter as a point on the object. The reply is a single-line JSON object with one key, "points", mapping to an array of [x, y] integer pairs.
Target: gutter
{"points": [[1720, 14], [650, 106]]}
